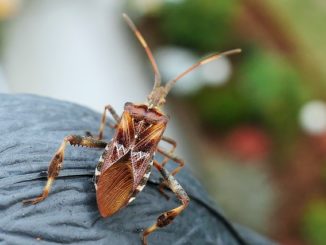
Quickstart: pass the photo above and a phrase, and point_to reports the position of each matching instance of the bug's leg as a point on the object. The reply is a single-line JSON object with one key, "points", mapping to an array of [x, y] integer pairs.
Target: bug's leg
{"points": [[164, 162], [56, 162], [177, 160], [174, 146], [103, 121], [173, 143], [174, 158], [167, 217]]}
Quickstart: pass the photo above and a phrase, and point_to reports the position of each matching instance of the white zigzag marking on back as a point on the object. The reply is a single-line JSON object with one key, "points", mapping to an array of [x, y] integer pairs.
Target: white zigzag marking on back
{"points": [[137, 156], [120, 149]]}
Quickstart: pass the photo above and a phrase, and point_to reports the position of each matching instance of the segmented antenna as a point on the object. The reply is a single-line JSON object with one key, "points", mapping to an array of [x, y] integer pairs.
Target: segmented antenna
{"points": [[206, 60], [147, 49]]}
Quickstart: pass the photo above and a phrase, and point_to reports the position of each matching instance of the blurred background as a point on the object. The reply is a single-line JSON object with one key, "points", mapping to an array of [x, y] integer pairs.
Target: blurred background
{"points": [[252, 126]]}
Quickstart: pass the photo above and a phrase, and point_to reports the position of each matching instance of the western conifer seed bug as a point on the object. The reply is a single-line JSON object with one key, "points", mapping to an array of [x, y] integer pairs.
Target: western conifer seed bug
{"points": [[127, 160]]}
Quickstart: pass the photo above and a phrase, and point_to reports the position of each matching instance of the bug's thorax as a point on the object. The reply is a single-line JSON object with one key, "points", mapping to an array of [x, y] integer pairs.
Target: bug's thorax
{"points": [[148, 113], [144, 126]]}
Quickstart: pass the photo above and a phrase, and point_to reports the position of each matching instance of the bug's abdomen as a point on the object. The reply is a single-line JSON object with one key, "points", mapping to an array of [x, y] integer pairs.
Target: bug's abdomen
{"points": [[115, 187]]}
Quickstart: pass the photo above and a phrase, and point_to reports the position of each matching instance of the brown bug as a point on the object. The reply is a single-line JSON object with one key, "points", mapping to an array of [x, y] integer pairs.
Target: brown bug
{"points": [[125, 165]]}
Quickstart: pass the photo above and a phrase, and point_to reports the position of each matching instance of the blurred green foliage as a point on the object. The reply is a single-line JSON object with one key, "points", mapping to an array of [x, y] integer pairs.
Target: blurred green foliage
{"points": [[268, 91], [314, 222], [223, 108], [273, 88], [201, 25], [306, 20]]}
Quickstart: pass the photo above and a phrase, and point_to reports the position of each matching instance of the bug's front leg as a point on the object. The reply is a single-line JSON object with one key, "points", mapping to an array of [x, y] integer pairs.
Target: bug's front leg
{"points": [[167, 217], [103, 121], [56, 162]]}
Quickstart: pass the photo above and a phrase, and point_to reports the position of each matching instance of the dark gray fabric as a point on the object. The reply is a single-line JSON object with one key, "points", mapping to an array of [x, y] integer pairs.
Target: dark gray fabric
{"points": [[31, 130]]}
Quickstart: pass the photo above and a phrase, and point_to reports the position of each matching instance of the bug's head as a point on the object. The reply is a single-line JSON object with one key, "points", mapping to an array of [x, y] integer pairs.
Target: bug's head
{"points": [[157, 96]]}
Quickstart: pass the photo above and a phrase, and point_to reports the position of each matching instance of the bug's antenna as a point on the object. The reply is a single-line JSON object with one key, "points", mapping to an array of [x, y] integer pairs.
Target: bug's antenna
{"points": [[208, 59], [147, 49]]}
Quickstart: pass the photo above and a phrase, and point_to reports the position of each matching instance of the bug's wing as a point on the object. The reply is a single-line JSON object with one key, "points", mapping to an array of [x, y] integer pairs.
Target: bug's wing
{"points": [[125, 131], [142, 153], [149, 138], [120, 144], [115, 186]]}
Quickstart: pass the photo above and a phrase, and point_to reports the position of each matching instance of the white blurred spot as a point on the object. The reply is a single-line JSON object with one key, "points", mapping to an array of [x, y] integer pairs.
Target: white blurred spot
{"points": [[216, 72], [313, 117], [172, 61]]}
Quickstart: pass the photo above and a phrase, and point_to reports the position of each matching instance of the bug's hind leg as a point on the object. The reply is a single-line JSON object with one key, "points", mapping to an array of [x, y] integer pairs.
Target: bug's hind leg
{"points": [[167, 217], [56, 162]]}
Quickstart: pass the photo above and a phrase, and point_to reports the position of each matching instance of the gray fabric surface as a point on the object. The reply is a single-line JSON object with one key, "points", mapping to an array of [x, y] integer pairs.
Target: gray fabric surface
{"points": [[31, 130]]}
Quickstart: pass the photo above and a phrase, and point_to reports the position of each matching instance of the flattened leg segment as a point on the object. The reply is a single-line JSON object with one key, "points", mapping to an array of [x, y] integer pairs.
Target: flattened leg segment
{"points": [[167, 217], [56, 162], [103, 121]]}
